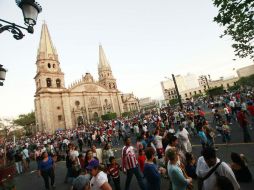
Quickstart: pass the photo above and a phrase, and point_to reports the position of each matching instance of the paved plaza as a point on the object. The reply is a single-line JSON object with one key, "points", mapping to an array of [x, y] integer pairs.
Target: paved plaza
{"points": [[31, 180]]}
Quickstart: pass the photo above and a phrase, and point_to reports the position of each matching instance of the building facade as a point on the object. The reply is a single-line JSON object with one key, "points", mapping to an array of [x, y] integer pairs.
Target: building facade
{"points": [[184, 83], [58, 107], [245, 71], [226, 83]]}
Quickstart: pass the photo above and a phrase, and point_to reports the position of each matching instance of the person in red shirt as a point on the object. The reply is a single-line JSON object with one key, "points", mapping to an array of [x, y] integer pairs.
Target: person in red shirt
{"points": [[141, 159], [201, 112], [250, 108], [243, 122]]}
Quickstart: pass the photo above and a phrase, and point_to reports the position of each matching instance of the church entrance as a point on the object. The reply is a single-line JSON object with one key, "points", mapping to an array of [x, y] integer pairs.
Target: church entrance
{"points": [[80, 120]]}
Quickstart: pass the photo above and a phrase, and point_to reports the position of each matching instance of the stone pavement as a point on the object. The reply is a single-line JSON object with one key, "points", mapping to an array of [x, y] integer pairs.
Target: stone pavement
{"points": [[31, 180]]}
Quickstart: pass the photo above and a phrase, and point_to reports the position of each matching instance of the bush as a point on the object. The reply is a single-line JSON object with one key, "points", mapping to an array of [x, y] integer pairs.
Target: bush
{"points": [[173, 102], [233, 88], [246, 81], [108, 116], [215, 91], [126, 114]]}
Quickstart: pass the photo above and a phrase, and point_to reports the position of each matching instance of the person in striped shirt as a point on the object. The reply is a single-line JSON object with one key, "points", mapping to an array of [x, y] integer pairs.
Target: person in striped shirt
{"points": [[113, 170], [130, 165]]}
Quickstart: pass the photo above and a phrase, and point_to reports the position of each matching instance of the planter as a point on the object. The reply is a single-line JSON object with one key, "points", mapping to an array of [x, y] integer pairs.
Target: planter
{"points": [[6, 177]]}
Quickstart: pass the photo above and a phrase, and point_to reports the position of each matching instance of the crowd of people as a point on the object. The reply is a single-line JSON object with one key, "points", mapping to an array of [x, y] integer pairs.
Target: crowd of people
{"points": [[157, 145]]}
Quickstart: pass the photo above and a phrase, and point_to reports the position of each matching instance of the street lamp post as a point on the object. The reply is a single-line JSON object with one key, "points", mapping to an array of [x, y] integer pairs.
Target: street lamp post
{"points": [[168, 93], [177, 92], [207, 82], [2, 75], [30, 9]]}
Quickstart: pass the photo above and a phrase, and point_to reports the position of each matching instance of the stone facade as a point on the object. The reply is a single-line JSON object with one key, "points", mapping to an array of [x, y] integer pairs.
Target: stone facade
{"points": [[58, 107], [245, 71], [226, 83]]}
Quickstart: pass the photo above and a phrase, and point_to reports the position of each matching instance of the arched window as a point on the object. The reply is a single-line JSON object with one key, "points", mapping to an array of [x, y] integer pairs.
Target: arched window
{"points": [[49, 65], [109, 86], [54, 65], [58, 83], [49, 84]]}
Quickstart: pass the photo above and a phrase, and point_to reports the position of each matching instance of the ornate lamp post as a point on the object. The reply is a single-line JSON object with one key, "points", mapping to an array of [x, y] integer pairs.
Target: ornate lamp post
{"points": [[30, 10], [2, 74]]}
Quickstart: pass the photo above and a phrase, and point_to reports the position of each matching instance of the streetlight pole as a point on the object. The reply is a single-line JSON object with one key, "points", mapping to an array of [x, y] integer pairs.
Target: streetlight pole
{"points": [[177, 92], [2, 75], [30, 9], [207, 82]]}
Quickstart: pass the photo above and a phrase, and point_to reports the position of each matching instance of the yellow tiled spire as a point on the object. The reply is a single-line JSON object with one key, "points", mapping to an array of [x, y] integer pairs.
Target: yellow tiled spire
{"points": [[46, 48], [103, 62]]}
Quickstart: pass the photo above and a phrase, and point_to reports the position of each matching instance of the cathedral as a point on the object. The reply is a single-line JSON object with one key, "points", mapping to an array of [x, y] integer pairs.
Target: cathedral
{"points": [[83, 102]]}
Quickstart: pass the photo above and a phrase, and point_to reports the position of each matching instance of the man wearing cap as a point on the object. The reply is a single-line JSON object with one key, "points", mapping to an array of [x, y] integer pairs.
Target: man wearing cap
{"points": [[130, 165], [99, 180], [81, 182]]}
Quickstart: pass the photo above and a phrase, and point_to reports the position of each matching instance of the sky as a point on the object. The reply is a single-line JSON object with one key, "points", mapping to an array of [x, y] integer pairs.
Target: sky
{"points": [[144, 41]]}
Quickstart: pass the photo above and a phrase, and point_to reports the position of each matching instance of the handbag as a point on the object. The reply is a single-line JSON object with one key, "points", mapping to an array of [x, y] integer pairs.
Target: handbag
{"points": [[202, 179]]}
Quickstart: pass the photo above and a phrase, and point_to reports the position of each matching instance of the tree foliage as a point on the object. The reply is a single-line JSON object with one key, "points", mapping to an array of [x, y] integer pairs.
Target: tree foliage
{"points": [[237, 16], [173, 102], [246, 81], [196, 96], [215, 91], [108, 116], [27, 121], [234, 88], [126, 114]]}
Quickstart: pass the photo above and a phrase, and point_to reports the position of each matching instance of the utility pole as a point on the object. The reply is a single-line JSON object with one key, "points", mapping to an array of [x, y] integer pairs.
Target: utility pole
{"points": [[177, 92], [207, 82]]}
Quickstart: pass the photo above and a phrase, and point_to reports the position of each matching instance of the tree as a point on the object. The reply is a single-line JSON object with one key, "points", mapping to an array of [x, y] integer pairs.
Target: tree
{"points": [[237, 17], [233, 88], [108, 116], [246, 81], [196, 96], [173, 102], [26, 120], [215, 91]]}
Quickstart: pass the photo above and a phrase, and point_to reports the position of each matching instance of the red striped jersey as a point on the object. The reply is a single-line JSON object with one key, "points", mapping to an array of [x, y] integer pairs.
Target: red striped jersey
{"points": [[113, 170], [129, 159]]}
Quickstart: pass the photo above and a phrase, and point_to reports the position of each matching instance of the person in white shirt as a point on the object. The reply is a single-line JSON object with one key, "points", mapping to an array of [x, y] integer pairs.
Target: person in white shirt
{"points": [[144, 128], [206, 163], [136, 130], [99, 180], [158, 143], [183, 137], [26, 158]]}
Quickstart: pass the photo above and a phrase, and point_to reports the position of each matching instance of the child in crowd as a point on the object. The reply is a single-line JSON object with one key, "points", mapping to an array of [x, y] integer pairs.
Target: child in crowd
{"points": [[141, 159], [226, 132], [113, 170]]}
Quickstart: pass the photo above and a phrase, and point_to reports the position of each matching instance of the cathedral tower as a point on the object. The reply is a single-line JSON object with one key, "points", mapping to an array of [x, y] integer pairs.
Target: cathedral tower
{"points": [[106, 78], [49, 79], [49, 74]]}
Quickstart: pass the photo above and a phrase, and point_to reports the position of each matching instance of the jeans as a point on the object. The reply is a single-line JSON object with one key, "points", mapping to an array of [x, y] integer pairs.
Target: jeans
{"points": [[139, 177], [46, 174], [19, 167], [117, 183]]}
